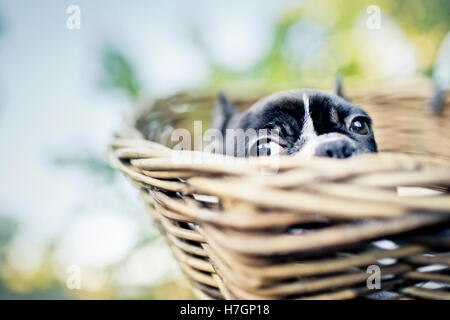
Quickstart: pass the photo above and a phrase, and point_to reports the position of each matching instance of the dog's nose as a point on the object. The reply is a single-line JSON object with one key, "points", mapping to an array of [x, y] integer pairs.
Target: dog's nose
{"points": [[335, 149]]}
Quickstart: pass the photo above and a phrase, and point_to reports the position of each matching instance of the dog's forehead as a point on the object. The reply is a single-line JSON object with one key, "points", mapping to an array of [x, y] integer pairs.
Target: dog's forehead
{"points": [[282, 99], [317, 100], [296, 108]]}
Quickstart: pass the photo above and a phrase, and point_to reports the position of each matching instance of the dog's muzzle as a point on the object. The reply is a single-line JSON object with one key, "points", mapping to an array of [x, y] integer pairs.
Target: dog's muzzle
{"points": [[330, 145]]}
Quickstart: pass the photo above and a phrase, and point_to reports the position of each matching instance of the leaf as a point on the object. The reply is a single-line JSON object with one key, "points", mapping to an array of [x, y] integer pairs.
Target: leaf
{"points": [[119, 73]]}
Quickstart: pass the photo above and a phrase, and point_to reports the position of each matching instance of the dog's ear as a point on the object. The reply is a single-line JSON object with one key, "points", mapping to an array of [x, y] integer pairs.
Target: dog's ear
{"points": [[338, 87], [223, 112]]}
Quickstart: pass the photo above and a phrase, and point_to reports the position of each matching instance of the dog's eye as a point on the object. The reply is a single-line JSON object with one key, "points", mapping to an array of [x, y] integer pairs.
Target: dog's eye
{"points": [[268, 149], [360, 126], [265, 147]]}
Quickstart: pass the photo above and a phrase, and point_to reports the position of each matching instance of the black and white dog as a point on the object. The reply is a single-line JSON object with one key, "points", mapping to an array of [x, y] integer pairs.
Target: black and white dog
{"points": [[299, 122]]}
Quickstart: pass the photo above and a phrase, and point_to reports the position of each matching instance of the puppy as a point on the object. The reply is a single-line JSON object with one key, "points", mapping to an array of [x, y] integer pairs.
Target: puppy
{"points": [[306, 123]]}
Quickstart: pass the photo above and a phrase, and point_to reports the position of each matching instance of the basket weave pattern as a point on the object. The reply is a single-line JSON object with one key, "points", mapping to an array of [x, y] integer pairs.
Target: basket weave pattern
{"points": [[310, 231]]}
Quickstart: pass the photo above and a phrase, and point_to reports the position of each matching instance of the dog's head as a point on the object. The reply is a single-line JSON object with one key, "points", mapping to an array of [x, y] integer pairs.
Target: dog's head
{"points": [[302, 122]]}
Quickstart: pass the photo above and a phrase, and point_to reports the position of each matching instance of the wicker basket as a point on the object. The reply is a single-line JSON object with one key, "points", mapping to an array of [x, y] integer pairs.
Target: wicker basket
{"points": [[312, 230]]}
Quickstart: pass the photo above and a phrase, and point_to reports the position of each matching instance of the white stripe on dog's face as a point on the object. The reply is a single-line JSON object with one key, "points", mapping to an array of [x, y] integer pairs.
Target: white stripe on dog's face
{"points": [[309, 134], [308, 130]]}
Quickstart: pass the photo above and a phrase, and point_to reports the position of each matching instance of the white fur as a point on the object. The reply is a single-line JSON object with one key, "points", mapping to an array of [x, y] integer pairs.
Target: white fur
{"points": [[308, 126]]}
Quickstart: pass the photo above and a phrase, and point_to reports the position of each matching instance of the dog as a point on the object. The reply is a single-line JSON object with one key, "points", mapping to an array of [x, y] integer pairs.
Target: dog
{"points": [[306, 123]]}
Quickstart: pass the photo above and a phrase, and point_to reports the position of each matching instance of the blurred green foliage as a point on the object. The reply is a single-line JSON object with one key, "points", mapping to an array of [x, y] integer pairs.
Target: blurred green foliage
{"points": [[119, 73], [421, 16], [425, 23]]}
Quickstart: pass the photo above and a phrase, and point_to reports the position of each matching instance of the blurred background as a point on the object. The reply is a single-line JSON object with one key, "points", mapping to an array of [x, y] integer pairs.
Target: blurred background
{"points": [[63, 91]]}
